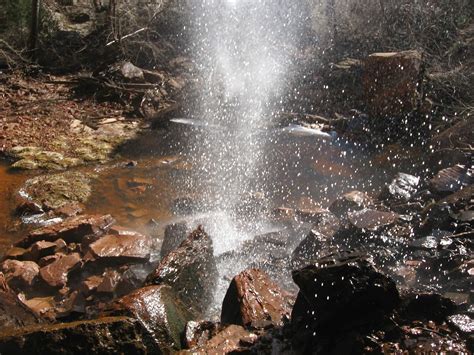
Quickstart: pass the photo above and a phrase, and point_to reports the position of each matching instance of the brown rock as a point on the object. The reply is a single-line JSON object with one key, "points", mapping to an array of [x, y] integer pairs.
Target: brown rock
{"points": [[199, 332], [254, 300], [72, 230], [349, 202], [227, 341], [391, 82], [40, 249], [90, 284], [69, 210], [56, 273], [42, 306], [122, 248], [48, 260], [20, 274], [451, 179], [109, 282], [13, 313], [61, 246], [372, 219], [15, 253]]}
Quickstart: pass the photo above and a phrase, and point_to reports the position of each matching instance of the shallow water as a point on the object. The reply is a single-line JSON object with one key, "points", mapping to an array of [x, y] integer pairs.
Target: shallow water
{"points": [[300, 171]]}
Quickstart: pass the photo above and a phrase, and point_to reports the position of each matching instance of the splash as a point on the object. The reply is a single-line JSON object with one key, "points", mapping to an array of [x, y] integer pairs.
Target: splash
{"points": [[242, 51]]}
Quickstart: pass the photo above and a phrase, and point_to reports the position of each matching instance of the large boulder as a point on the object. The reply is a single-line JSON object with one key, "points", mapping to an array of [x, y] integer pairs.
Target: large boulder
{"points": [[72, 230], [110, 335], [157, 308], [392, 82], [339, 288], [190, 270], [254, 300]]}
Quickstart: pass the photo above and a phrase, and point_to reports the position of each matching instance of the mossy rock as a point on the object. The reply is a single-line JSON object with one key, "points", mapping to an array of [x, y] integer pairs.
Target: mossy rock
{"points": [[57, 190]]}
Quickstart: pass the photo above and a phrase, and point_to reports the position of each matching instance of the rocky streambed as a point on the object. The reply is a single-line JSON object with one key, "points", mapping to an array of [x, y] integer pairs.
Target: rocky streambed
{"points": [[386, 272]]}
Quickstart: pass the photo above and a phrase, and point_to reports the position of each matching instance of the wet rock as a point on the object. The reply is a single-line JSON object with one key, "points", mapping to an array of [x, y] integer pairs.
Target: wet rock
{"points": [[57, 190], [254, 300], [131, 72], [457, 136], [90, 284], [197, 333], [230, 340], [283, 213], [444, 213], [69, 210], [15, 253], [43, 307], [157, 308], [463, 323], [175, 233], [20, 274], [48, 259], [312, 248], [190, 270], [336, 288], [391, 82], [56, 273], [109, 282], [372, 220], [40, 249], [28, 208], [401, 189], [110, 335], [349, 202], [72, 230], [426, 306], [114, 248], [451, 179], [13, 313]]}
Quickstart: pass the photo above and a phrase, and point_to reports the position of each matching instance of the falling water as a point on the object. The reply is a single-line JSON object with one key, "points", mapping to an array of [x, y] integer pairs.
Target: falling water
{"points": [[241, 48]]}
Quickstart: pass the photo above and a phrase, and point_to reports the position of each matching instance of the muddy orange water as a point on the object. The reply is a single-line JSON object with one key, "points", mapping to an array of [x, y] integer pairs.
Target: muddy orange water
{"points": [[142, 196]]}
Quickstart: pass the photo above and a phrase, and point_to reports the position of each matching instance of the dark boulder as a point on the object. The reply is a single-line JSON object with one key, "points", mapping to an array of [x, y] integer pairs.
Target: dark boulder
{"points": [[190, 270], [346, 287], [315, 246], [157, 308], [110, 335], [175, 233], [254, 300]]}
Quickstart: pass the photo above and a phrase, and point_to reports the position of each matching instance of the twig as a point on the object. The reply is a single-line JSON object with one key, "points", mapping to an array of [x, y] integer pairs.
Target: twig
{"points": [[127, 36]]}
